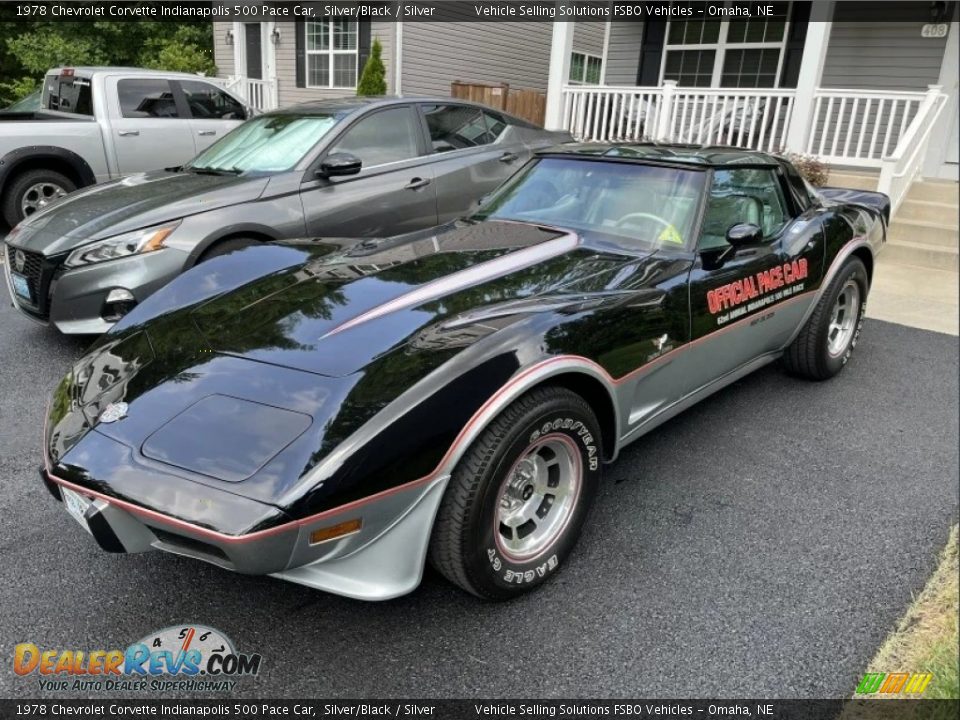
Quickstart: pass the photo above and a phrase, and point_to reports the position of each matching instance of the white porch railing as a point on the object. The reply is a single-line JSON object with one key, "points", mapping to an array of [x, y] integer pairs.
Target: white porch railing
{"points": [[705, 116], [899, 169], [258, 94], [859, 127]]}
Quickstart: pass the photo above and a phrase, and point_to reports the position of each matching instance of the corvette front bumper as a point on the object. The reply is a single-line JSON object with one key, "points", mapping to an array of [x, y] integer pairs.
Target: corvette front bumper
{"points": [[382, 559]]}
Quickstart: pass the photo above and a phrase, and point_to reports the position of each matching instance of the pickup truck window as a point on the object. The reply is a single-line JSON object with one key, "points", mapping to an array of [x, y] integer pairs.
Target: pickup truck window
{"points": [[210, 103], [271, 143], [146, 97], [69, 94]]}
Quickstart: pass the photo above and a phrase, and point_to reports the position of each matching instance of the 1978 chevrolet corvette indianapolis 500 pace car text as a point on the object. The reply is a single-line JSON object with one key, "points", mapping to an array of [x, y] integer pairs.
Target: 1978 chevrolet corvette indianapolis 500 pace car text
{"points": [[334, 412]]}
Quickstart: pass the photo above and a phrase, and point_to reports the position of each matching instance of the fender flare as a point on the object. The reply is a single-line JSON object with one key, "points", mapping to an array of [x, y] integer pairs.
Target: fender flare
{"points": [[16, 158]]}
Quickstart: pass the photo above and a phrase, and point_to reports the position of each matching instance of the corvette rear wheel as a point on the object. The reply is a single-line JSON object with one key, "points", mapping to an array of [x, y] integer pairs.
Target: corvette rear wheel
{"points": [[827, 340], [518, 498]]}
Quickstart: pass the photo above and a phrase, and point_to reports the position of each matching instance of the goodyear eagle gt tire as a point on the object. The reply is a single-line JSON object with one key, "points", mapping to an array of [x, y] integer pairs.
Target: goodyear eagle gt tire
{"points": [[518, 498], [826, 342]]}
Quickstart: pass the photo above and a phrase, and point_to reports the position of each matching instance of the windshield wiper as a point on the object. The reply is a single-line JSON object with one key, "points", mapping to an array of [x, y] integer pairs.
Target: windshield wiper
{"points": [[216, 171]]}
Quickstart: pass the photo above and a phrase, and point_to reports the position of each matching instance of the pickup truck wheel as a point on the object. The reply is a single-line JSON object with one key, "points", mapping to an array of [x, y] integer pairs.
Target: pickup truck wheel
{"points": [[827, 340], [32, 191], [227, 246], [518, 498]]}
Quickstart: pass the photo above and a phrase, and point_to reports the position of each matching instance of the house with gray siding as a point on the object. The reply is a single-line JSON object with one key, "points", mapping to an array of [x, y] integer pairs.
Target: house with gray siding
{"points": [[876, 94]]}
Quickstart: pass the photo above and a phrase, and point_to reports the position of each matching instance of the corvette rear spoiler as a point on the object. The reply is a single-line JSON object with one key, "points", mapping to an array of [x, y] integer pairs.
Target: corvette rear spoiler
{"points": [[876, 201]]}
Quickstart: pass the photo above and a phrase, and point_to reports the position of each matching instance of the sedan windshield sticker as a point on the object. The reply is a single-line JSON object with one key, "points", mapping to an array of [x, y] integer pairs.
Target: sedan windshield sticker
{"points": [[757, 291]]}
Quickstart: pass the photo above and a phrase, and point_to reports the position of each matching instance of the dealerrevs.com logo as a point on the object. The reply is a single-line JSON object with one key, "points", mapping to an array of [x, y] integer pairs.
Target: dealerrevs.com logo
{"points": [[191, 658]]}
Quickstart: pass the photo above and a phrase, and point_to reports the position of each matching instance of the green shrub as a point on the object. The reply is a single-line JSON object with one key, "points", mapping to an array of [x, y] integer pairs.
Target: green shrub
{"points": [[373, 79]]}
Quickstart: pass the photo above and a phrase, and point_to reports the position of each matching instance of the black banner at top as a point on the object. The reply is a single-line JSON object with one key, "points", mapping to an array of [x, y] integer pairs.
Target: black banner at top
{"points": [[468, 10]]}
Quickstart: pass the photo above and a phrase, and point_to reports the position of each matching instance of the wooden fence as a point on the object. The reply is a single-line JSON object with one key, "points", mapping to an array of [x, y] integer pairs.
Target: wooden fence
{"points": [[530, 105]]}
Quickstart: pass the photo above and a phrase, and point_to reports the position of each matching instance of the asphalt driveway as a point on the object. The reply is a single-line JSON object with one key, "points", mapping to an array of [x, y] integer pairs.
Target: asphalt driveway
{"points": [[762, 544]]}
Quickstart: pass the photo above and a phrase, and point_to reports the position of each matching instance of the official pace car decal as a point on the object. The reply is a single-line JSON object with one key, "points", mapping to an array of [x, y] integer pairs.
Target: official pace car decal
{"points": [[756, 291], [183, 658]]}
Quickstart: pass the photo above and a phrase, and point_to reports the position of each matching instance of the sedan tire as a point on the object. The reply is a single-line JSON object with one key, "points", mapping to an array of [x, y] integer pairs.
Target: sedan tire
{"points": [[828, 338], [518, 498]]}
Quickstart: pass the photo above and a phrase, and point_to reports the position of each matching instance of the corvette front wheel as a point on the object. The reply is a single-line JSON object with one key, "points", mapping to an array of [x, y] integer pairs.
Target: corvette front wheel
{"points": [[518, 499]]}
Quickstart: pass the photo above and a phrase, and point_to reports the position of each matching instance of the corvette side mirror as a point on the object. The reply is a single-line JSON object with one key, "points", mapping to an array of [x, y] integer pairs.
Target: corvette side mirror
{"points": [[339, 164], [744, 234]]}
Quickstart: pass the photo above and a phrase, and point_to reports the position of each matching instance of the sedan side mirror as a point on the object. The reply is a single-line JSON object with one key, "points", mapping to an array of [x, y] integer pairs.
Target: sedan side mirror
{"points": [[339, 164], [744, 234]]}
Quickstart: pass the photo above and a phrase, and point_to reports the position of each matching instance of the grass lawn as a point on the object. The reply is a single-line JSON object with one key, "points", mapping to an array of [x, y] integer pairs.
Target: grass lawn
{"points": [[926, 639]]}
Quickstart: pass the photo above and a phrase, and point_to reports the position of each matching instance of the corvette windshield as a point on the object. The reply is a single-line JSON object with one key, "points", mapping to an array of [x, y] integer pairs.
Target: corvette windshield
{"points": [[266, 144], [640, 205]]}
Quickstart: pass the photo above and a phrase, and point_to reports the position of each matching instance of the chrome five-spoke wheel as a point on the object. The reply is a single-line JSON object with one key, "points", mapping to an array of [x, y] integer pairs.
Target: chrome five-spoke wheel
{"points": [[38, 196]]}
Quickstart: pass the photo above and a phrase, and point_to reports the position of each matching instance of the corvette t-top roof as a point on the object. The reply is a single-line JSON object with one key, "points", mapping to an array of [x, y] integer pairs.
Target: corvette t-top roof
{"points": [[702, 155]]}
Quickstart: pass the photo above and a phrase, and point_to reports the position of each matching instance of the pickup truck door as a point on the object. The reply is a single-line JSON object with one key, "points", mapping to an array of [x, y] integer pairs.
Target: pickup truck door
{"points": [[474, 151], [394, 191], [149, 127], [213, 112]]}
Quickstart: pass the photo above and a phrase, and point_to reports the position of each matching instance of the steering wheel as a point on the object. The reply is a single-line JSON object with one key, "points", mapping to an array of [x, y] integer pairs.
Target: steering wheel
{"points": [[669, 233]]}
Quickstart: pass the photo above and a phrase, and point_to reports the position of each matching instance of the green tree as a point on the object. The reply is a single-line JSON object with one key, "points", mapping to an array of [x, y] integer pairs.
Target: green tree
{"points": [[373, 80], [29, 49]]}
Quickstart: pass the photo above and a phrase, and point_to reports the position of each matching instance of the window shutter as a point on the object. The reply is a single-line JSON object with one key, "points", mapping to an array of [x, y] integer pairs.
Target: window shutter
{"points": [[651, 53], [300, 33], [363, 45], [793, 51]]}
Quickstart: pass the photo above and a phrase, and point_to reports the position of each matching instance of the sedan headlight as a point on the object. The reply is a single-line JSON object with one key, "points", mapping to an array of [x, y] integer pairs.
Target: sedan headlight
{"points": [[132, 243]]}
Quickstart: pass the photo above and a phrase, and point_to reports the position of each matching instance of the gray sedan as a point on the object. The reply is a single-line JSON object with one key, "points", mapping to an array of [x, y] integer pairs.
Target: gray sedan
{"points": [[353, 167]]}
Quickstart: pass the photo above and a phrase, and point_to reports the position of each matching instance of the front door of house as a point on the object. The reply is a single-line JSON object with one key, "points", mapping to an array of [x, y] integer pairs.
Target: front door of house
{"points": [[253, 50]]}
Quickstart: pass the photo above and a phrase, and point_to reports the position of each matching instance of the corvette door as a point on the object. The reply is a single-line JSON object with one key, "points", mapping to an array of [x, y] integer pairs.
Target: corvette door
{"points": [[746, 302]]}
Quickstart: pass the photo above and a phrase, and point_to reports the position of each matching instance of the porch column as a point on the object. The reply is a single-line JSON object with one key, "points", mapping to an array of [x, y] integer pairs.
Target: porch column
{"points": [[560, 48], [811, 71]]}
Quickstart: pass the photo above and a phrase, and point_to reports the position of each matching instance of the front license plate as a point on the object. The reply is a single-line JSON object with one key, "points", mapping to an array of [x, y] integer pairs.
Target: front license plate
{"points": [[20, 286], [77, 506]]}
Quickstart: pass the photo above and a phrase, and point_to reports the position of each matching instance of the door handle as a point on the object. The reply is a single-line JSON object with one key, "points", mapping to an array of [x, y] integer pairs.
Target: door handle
{"points": [[206, 132], [508, 157], [128, 133], [417, 183]]}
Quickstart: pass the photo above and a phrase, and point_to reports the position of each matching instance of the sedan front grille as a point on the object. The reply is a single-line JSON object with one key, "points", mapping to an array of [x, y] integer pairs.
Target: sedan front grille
{"points": [[39, 272], [32, 269]]}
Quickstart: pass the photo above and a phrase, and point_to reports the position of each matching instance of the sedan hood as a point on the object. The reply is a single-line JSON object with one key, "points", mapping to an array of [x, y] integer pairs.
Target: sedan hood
{"points": [[131, 203], [336, 312]]}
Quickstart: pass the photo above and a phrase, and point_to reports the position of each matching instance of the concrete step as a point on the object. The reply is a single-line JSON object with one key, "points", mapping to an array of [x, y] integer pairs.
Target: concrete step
{"points": [[927, 233], [941, 213], [853, 180], [942, 191], [922, 255]]}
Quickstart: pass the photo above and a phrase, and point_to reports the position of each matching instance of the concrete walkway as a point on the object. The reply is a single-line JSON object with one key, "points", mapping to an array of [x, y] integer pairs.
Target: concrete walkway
{"points": [[915, 296]]}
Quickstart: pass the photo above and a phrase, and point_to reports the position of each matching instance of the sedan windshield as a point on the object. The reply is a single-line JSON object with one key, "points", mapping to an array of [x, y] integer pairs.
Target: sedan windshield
{"points": [[266, 144], [639, 205]]}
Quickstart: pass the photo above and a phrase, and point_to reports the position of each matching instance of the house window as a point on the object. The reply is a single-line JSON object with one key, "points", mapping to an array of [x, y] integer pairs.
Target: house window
{"points": [[585, 69], [331, 50], [738, 52]]}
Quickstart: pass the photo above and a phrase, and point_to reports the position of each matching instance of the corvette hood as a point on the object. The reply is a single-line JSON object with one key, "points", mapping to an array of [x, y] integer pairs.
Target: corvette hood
{"points": [[336, 312], [131, 203]]}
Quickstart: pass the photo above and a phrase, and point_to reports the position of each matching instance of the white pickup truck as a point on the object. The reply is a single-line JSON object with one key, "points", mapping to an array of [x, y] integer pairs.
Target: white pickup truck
{"points": [[97, 123]]}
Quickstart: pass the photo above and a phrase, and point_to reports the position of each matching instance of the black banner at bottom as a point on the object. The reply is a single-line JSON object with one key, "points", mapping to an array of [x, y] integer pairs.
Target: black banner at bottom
{"points": [[485, 709]]}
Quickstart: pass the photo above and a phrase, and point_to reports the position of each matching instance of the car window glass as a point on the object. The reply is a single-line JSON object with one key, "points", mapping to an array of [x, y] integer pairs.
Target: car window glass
{"points": [[742, 195], [454, 127], [69, 94], [146, 97], [269, 143], [211, 103], [384, 137], [638, 206]]}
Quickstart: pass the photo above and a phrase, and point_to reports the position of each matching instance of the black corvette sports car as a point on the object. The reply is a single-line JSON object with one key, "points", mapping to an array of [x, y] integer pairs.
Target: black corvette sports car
{"points": [[334, 412]]}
